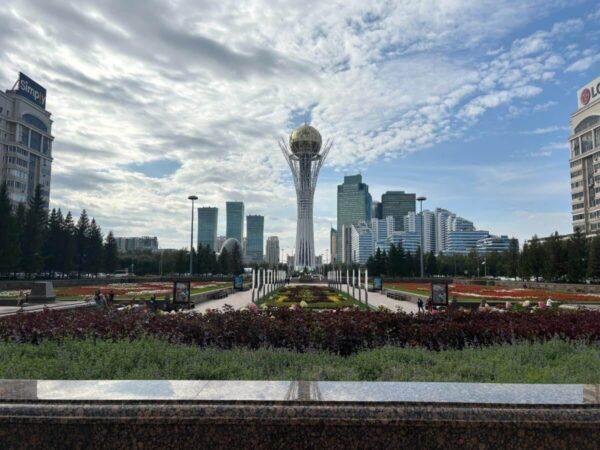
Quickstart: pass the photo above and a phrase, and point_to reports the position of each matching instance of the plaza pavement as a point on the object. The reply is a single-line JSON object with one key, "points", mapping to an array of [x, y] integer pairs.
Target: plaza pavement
{"points": [[244, 298], [10, 310]]}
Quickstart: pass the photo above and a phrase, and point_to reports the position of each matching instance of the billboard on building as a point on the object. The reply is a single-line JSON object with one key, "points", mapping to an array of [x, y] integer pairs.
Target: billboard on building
{"points": [[589, 93], [31, 90]]}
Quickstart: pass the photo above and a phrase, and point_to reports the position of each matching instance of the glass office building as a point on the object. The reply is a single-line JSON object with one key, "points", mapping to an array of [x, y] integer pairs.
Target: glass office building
{"points": [[362, 243], [273, 250], [493, 244], [235, 221], [462, 242], [255, 226], [207, 227], [397, 204], [353, 205]]}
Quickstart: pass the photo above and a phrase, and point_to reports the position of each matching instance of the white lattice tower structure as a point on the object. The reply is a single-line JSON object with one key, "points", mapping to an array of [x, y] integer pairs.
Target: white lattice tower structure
{"points": [[305, 162]]}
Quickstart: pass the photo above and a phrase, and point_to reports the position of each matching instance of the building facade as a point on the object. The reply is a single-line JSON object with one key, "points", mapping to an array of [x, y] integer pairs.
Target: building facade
{"points": [[376, 212], [25, 141], [333, 245], [493, 244], [463, 242], [353, 206], [398, 204], [137, 244], [273, 250], [235, 220], [255, 227], [382, 228], [345, 240], [362, 242], [208, 218], [584, 159], [409, 240]]}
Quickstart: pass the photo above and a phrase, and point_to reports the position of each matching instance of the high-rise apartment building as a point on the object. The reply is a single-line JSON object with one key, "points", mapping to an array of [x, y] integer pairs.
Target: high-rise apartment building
{"points": [[255, 226], [376, 210], [25, 141], [208, 218], [442, 226], [137, 244], [273, 250], [362, 242], [585, 159], [422, 223], [397, 204], [235, 220], [333, 245], [463, 242], [382, 228], [353, 206]]}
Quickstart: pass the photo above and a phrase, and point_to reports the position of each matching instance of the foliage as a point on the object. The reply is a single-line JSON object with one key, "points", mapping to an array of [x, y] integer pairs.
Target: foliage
{"points": [[338, 331], [550, 362]]}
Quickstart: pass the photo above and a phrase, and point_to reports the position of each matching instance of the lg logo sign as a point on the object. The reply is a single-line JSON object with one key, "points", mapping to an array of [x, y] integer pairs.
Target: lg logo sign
{"points": [[585, 96]]}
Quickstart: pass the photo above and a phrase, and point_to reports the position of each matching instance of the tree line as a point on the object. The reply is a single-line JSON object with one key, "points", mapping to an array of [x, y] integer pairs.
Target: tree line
{"points": [[574, 259], [34, 241]]}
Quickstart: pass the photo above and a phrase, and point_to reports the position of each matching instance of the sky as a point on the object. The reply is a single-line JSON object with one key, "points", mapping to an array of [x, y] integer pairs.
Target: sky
{"points": [[467, 103]]}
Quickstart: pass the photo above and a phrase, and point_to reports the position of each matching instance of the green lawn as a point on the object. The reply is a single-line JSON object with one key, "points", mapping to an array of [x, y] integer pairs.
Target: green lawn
{"points": [[551, 362]]}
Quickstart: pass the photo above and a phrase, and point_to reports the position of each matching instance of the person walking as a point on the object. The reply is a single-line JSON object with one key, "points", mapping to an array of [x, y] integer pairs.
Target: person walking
{"points": [[420, 305]]}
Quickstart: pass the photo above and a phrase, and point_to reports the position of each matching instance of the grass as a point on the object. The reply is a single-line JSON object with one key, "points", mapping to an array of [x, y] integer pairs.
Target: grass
{"points": [[551, 362], [345, 301]]}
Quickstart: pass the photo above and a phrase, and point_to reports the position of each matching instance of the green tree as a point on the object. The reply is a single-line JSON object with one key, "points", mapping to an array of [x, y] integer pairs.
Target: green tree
{"points": [[430, 264], [535, 258], [69, 245], [512, 258], [20, 217], [111, 259], [52, 243], [556, 258], [223, 261], [95, 249], [35, 228], [236, 266], [81, 242], [9, 234], [577, 256]]}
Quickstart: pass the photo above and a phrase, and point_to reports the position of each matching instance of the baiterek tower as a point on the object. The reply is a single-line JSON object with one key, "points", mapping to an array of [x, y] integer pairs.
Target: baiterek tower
{"points": [[305, 159]]}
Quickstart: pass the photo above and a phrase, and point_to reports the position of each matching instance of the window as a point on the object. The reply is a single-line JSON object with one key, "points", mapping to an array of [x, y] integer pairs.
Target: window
{"points": [[34, 121], [577, 206], [576, 173], [575, 147], [586, 142], [597, 137], [36, 141], [46, 146], [25, 136], [577, 195], [587, 123], [578, 217]]}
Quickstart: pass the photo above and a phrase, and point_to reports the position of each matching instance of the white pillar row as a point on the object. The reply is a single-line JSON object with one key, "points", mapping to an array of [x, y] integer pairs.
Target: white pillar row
{"points": [[367, 287], [359, 293]]}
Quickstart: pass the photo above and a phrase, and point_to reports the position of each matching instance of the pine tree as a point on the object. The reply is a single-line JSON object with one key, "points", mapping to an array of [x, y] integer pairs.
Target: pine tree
{"points": [[110, 253], [576, 256], [593, 268], [35, 224], [555, 262], [52, 244], [9, 243], [430, 264], [95, 249], [223, 262], [69, 243], [236, 267], [20, 216], [81, 241]]}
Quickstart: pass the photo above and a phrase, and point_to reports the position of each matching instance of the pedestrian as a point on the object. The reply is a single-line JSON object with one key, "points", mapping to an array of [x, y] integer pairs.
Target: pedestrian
{"points": [[420, 305], [102, 300], [111, 297]]}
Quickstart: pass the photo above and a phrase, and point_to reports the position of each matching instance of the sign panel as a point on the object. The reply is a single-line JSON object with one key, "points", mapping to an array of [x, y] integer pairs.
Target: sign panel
{"points": [[181, 291], [377, 283], [589, 93], [238, 282], [31, 90], [439, 293]]}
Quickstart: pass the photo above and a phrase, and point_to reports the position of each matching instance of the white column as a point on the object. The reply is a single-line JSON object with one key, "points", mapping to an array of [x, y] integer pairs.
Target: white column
{"points": [[353, 281], [359, 293], [367, 284]]}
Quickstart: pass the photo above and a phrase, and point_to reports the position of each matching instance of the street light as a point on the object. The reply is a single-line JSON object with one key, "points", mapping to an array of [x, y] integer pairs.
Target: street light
{"points": [[421, 200], [192, 198]]}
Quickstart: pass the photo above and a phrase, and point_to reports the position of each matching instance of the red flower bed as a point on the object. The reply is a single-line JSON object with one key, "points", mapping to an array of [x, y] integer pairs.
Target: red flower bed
{"points": [[124, 289], [475, 292], [342, 332]]}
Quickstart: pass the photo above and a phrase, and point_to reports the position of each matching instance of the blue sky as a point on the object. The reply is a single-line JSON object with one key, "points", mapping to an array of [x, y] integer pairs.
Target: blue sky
{"points": [[465, 102]]}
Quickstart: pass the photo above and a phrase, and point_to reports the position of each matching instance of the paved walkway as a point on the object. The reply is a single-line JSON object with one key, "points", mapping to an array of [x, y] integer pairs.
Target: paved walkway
{"points": [[10, 310], [237, 301]]}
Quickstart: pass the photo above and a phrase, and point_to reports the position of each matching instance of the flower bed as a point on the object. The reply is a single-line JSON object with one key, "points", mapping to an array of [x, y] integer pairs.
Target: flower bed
{"points": [[465, 292], [311, 297], [339, 331], [129, 290]]}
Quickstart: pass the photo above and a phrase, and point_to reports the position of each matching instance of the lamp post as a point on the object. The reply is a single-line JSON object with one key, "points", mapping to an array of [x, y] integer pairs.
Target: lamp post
{"points": [[421, 200], [193, 198]]}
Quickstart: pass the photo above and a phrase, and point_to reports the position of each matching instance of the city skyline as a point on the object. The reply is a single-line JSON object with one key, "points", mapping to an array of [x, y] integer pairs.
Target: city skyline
{"points": [[472, 137]]}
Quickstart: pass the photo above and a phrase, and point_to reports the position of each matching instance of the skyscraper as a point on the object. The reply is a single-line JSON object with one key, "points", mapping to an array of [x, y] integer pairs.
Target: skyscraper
{"points": [[333, 245], [207, 227], [353, 205], [235, 221], [25, 141], [397, 204], [422, 223], [376, 212], [273, 250], [584, 155], [305, 158], [362, 242], [255, 226]]}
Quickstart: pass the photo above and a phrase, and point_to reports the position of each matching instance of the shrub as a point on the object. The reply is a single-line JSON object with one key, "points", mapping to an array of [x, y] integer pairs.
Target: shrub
{"points": [[342, 332]]}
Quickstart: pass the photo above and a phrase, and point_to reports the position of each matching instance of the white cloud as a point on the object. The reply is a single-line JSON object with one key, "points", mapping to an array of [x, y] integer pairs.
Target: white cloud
{"points": [[213, 86]]}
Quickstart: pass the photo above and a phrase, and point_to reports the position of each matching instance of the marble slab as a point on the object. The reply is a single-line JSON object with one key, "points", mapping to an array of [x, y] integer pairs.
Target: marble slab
{"points": [[303, 391]]}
